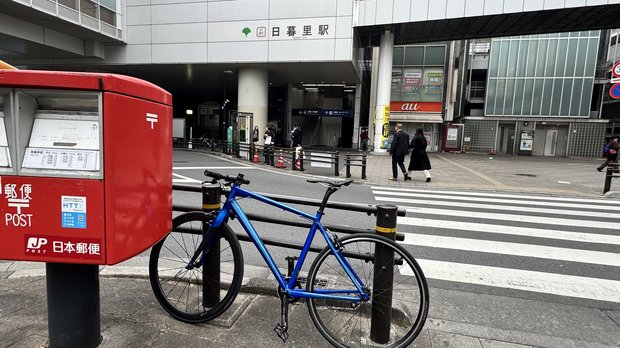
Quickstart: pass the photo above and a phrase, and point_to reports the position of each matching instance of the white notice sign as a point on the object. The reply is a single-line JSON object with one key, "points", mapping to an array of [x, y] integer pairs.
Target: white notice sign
{"points": [[66, 134], [61, 159], [5, 160], [3, 139]]}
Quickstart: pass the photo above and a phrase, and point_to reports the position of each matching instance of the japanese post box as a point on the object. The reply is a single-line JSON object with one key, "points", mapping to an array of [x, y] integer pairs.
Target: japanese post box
{"points": [[85, 166]]}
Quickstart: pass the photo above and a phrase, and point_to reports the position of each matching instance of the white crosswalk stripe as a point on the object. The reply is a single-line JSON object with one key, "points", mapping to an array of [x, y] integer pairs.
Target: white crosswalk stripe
{"points": [[553, 245]]}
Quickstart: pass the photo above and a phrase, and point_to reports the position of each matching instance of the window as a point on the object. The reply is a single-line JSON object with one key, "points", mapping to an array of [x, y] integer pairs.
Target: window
{"points": [[432, 88], [69, 3], [414, 55], [412, 84], [413, 77], [89, 8]]}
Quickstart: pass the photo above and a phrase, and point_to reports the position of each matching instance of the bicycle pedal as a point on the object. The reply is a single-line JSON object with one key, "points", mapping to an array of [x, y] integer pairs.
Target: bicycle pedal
{"points": [[281, 331]]}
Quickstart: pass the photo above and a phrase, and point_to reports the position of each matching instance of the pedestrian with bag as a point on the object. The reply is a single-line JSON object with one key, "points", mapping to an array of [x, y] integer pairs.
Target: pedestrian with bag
{"points": [[612, 152], [268, 137], [399, 150], [419, 159]]}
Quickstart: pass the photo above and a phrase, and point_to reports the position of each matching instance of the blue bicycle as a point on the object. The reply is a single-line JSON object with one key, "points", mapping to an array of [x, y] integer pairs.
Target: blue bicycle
{"points": [[362, 290]]}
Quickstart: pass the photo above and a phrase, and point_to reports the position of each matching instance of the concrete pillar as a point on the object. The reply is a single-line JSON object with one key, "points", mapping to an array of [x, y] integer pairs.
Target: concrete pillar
{"points": [[384, 79], [356, 119], [253, 96]]}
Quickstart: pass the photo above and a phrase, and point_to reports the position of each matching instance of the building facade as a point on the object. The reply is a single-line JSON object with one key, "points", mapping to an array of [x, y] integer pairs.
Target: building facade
{"points": [[246, 63], [536, 95]]}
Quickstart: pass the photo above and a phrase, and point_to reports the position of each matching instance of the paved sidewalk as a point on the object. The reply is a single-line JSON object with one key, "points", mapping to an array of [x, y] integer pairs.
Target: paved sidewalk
{"points": [[131, 317], [538, 175]]}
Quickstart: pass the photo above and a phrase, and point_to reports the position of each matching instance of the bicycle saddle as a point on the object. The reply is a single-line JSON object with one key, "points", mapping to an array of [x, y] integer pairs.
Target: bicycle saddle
{"points": [[336, 184]]}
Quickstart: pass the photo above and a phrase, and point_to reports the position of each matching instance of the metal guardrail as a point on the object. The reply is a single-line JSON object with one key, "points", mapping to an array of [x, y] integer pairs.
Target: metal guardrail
{"points": [[355, 160], [368, 209], [280, 157], [613, 171]]}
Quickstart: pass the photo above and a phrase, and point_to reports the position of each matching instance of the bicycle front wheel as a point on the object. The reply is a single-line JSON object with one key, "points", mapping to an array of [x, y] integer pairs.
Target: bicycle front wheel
{"points": [[397, 307], [203, 292]]}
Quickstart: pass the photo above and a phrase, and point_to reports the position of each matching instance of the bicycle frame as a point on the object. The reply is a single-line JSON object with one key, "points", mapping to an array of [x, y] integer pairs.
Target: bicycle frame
{"points": [[231, 204]]}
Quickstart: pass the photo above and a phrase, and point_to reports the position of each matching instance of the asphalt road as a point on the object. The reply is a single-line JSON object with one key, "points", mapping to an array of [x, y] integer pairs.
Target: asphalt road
{"points": [[559, 250]]}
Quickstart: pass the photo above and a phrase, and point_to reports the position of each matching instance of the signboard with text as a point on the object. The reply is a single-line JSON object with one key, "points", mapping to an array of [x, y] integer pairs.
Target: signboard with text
{"points": [[400, 106]]}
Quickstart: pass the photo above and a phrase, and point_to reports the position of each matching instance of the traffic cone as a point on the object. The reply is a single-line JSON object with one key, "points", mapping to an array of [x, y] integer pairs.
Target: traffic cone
{"points": [[280, 163], [255, 159]]}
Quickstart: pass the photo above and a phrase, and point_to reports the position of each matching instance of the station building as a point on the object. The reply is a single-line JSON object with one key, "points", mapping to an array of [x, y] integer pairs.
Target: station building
{"points": [[337, 67]]}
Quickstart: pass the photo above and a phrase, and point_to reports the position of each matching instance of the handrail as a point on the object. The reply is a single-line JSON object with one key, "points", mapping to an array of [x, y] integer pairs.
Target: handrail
{"points": [[357, 207]]}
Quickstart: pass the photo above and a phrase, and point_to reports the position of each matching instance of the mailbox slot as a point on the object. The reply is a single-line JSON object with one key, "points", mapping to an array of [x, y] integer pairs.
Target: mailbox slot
{"points": [[60, 134]]}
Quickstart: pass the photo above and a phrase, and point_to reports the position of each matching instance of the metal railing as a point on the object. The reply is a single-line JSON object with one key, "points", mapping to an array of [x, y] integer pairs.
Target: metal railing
{"points": [[368, 209], [281, 157], [356, 160]]}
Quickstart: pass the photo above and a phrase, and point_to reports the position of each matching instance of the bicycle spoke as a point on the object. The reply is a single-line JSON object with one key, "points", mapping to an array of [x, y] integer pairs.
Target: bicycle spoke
{"points": [[345, 326], [181, 290]]}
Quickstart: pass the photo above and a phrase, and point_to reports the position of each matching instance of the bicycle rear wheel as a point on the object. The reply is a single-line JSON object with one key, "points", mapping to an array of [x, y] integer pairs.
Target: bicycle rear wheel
{"points": [[350, 323], [202, 293]]}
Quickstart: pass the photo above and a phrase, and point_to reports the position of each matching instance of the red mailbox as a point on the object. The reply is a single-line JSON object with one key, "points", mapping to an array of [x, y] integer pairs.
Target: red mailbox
{"points": [[85, 166]]}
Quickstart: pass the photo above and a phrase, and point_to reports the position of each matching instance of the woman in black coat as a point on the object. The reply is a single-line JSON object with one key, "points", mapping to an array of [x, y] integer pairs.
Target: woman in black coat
{"points": [[419, 158]]}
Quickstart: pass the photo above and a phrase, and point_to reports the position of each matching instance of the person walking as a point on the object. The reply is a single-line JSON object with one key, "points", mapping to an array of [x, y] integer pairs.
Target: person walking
{"points": [[364, 139], [419, 159], [612, 153], [255, 135], [399, 150], [268, 137], [295, 136]]}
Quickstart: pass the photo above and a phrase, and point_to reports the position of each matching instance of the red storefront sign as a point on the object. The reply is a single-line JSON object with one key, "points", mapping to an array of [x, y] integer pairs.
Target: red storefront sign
{"points": [[415, 106]]}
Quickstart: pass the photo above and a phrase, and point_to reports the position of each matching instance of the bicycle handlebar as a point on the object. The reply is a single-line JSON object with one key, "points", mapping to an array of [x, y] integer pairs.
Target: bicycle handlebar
{"points": [[236, 179]]}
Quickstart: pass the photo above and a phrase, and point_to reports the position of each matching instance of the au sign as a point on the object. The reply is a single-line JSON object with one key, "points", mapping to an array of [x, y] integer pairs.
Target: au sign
{"points": [[415, 106]]}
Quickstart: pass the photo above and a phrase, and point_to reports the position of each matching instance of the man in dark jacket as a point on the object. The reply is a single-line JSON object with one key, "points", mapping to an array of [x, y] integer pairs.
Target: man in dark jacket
{"points": [[296, 136], [399, 149], [612, 153]]}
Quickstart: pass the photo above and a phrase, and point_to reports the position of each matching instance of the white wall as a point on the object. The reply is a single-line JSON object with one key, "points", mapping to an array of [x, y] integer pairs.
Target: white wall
{"points": [[373, 12], [210, 31]]}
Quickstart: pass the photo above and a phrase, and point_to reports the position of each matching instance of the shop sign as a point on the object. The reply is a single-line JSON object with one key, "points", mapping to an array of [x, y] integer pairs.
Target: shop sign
{"points": [[415, 106], [323, 112]]}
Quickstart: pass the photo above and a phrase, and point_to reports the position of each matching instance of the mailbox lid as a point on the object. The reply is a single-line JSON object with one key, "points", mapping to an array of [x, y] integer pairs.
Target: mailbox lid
{"points": [[85, 81], [134, 87]]}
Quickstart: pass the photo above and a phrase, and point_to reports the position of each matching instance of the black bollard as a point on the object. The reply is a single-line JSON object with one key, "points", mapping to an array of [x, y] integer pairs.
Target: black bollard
{"points": [[211, 201], [73, 307], [381, 314], [364, 167], [347, 165], [337, 164]]}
